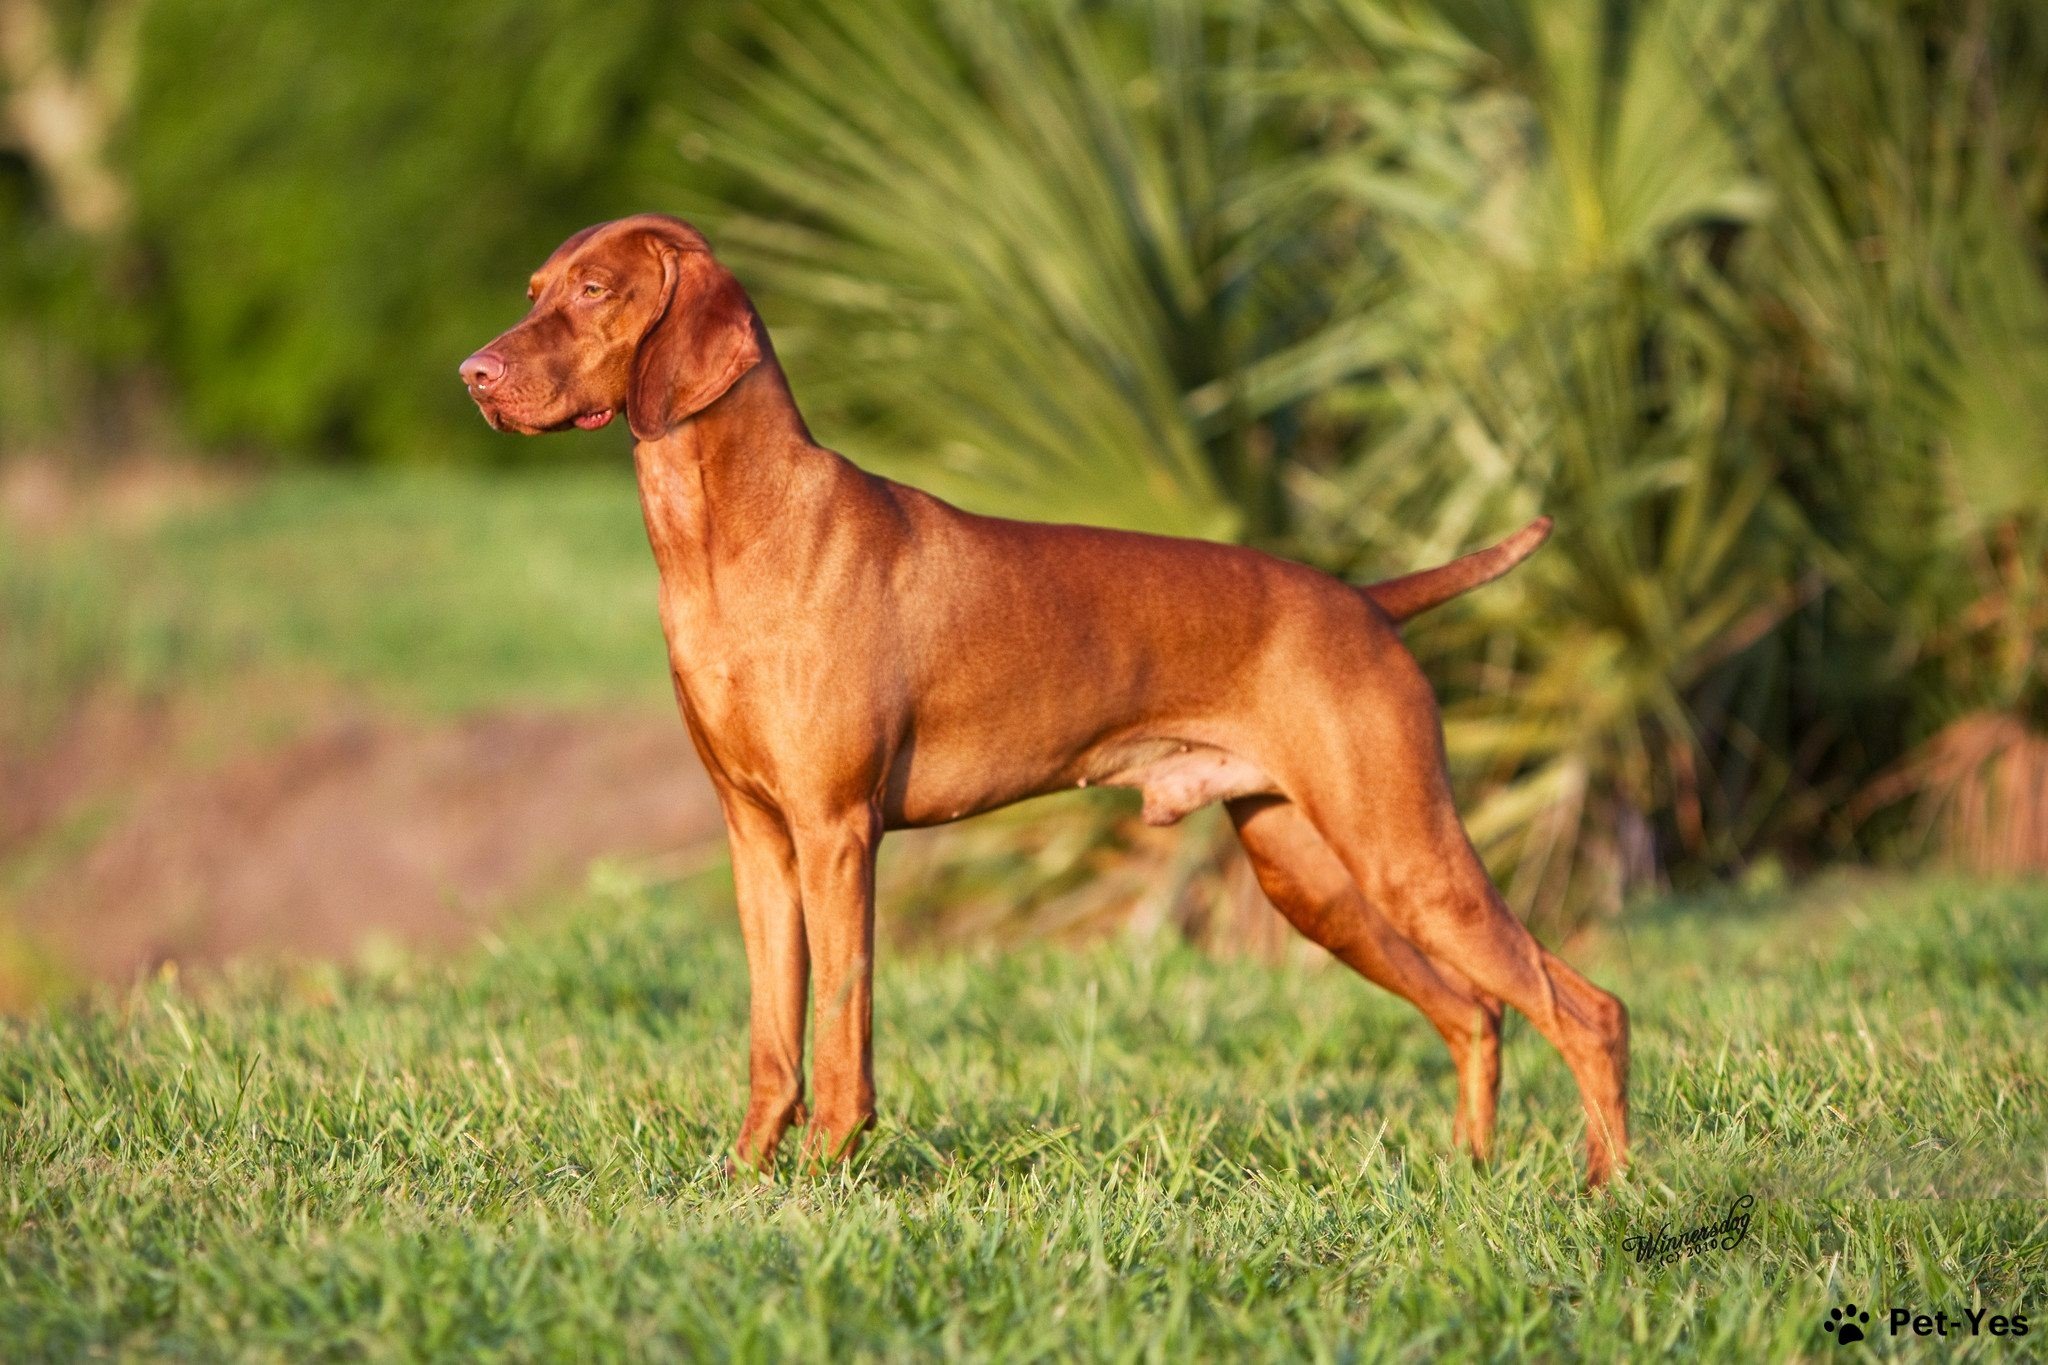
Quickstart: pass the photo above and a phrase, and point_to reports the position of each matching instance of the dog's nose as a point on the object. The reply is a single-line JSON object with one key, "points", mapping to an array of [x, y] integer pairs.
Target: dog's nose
{"points": [[482, 370]]}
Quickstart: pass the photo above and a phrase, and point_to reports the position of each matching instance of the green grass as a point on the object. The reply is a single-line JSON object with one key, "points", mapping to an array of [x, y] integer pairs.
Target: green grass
{"points": [[1131, 1153]]}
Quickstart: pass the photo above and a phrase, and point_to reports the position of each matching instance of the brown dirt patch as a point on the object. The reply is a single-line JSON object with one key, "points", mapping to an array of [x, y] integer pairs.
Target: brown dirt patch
{"points": [[361, 830], [104, 743]]}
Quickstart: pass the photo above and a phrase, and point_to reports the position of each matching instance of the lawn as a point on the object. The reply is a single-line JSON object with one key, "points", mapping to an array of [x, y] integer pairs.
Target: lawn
{"points": [[1133, 1152]]}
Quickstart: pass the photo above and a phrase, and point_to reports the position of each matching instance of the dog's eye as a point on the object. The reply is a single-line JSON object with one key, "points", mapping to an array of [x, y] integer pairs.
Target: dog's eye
{"points": [[594, 290]]}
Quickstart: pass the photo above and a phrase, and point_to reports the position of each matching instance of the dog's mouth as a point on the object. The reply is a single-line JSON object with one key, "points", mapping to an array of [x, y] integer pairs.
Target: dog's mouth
{"points": [[503, 420]]}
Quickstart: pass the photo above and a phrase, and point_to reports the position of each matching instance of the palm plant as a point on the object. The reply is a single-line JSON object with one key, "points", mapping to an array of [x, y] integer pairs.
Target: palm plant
{"points": [[1573, 347], [1008, 243], [1915, 177]]}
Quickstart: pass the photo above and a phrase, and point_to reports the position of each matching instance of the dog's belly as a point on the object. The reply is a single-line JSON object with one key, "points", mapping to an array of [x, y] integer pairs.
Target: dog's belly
{"points": [[1176, 776], [1178, 779]]}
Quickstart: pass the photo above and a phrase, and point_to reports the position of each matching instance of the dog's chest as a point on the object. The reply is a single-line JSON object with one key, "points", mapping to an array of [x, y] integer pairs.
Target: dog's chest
{"points": [[755, 683], [712, 667]]}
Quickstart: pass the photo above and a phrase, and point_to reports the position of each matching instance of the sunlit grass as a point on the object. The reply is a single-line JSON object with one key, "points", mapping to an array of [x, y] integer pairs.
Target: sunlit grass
{"points": [[1129, 1153]]}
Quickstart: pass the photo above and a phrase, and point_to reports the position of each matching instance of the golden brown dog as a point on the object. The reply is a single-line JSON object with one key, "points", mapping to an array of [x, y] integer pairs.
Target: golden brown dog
{"points": [[852, 656]]}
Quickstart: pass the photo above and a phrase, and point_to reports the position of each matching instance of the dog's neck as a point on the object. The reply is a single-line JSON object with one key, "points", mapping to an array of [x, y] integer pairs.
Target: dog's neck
{"points": [[722, 481]]}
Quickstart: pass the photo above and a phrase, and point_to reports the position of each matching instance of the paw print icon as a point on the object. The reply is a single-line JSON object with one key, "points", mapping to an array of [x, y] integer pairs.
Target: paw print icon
{"points": [[1845, 1324]]}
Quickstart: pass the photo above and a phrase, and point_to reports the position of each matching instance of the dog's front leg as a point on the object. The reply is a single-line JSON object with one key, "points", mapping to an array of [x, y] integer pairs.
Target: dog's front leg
{"points": [[764, 875], [835, 859]]}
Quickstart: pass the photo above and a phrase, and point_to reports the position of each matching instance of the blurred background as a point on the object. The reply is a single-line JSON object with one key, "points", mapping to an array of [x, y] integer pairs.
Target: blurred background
{"points": [[1751, 295]]}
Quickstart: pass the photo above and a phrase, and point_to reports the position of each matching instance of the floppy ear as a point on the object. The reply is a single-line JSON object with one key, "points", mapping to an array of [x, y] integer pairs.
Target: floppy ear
{"points": [[701, 342]]}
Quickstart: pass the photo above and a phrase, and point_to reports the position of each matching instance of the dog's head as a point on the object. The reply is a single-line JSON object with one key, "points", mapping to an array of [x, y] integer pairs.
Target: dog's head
{"points": [[633, 315]]}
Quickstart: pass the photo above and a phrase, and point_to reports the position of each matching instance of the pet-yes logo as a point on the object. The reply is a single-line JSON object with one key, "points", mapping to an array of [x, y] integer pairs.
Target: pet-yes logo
{"points": [[1846, 1324], [1850, 1323]]}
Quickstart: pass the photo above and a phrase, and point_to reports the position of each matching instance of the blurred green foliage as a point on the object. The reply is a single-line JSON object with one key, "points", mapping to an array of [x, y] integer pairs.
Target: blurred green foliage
{"points": [[1751, 294], [423, 592], [327, 207]]}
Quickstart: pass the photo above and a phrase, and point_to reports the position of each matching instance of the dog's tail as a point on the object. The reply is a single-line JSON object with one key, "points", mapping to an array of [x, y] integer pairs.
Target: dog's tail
{"points": [[1414, 593]]}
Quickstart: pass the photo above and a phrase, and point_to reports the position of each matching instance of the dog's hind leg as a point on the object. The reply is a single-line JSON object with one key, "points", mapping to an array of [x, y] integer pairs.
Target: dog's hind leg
{"points": [[1307, 883], [1382, 801]]}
